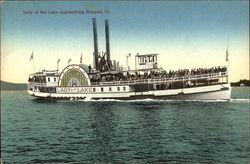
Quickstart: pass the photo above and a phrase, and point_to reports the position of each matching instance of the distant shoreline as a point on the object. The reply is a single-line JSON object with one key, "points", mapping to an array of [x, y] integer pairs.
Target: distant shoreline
{"points": [[245, 83], [13, 86]]}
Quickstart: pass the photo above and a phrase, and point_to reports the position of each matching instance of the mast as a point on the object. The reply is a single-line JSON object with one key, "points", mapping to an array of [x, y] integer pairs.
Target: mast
{"points": [[227, 58]]}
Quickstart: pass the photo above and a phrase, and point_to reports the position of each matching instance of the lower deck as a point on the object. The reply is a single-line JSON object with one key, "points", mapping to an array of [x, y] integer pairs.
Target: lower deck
{"points": [[218, 91]]}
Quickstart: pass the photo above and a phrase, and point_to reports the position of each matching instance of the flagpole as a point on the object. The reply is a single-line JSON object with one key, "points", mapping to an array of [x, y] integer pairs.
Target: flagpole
{"points": [[69, 61], [58, 64], [228, 59], [33, 65], [227, 70], [33, 62], [81, 59]]}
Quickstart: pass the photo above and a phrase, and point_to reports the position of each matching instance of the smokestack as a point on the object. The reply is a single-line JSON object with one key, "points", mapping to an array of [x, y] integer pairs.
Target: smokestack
{"points": [[107, 39], [96, 64]]}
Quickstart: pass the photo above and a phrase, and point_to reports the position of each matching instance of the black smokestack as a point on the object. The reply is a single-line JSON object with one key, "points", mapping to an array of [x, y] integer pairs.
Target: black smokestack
{"points": [[107, 39], [95, 44]]}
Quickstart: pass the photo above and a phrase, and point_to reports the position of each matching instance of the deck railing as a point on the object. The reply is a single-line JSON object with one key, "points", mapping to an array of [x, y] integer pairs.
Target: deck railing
{"points": [[151, 81], [164, 80], [38, 84]]}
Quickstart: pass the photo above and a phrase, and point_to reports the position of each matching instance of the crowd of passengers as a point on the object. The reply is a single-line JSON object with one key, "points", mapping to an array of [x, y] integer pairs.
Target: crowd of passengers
{"points": [[37, 79], [199, 71], [151, 75], [162, 74]]}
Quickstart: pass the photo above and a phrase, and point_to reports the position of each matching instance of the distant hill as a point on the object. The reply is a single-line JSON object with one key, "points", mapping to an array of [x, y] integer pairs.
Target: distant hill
{"points": [[237, 84], [13, 86]]}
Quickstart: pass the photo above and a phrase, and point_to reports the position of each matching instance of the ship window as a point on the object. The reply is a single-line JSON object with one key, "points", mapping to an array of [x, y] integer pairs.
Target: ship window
{"points": [[101, 89], [124, 88], [118, 88], [93, 89], [48, 79], [110, 89], [54, 79]]}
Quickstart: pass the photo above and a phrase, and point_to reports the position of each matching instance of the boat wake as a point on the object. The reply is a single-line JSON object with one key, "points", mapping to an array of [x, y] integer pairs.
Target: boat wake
{"points": [[240, 100]]}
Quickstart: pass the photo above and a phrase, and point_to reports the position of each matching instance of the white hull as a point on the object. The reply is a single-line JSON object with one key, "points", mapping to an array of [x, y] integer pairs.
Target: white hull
{"points": [[218, 92]]}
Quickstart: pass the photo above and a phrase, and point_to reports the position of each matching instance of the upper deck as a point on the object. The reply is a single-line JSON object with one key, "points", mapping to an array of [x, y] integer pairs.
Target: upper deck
{"points": [[209, 76]]}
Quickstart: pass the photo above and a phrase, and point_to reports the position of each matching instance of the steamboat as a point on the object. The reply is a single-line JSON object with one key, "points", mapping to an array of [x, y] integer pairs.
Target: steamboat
{"points": [[107, 80]]}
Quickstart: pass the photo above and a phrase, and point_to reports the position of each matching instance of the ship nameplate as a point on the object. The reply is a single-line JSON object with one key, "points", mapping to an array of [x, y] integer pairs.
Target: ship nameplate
{"points": [[74, 89]]}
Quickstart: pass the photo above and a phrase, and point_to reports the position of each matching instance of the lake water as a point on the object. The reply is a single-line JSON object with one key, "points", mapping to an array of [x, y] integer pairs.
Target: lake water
{"points": [[125, 131]]}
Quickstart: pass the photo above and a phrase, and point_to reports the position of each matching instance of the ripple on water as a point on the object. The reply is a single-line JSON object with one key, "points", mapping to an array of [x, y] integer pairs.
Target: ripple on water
{"points": [[137, 131]]}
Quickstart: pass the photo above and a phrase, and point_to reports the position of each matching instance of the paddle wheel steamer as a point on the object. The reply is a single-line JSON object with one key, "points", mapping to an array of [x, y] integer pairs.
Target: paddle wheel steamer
{"points": [[107, 80]]}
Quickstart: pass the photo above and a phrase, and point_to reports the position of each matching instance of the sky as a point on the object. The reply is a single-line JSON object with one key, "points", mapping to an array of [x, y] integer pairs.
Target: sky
{"points": [[185, 34]]}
